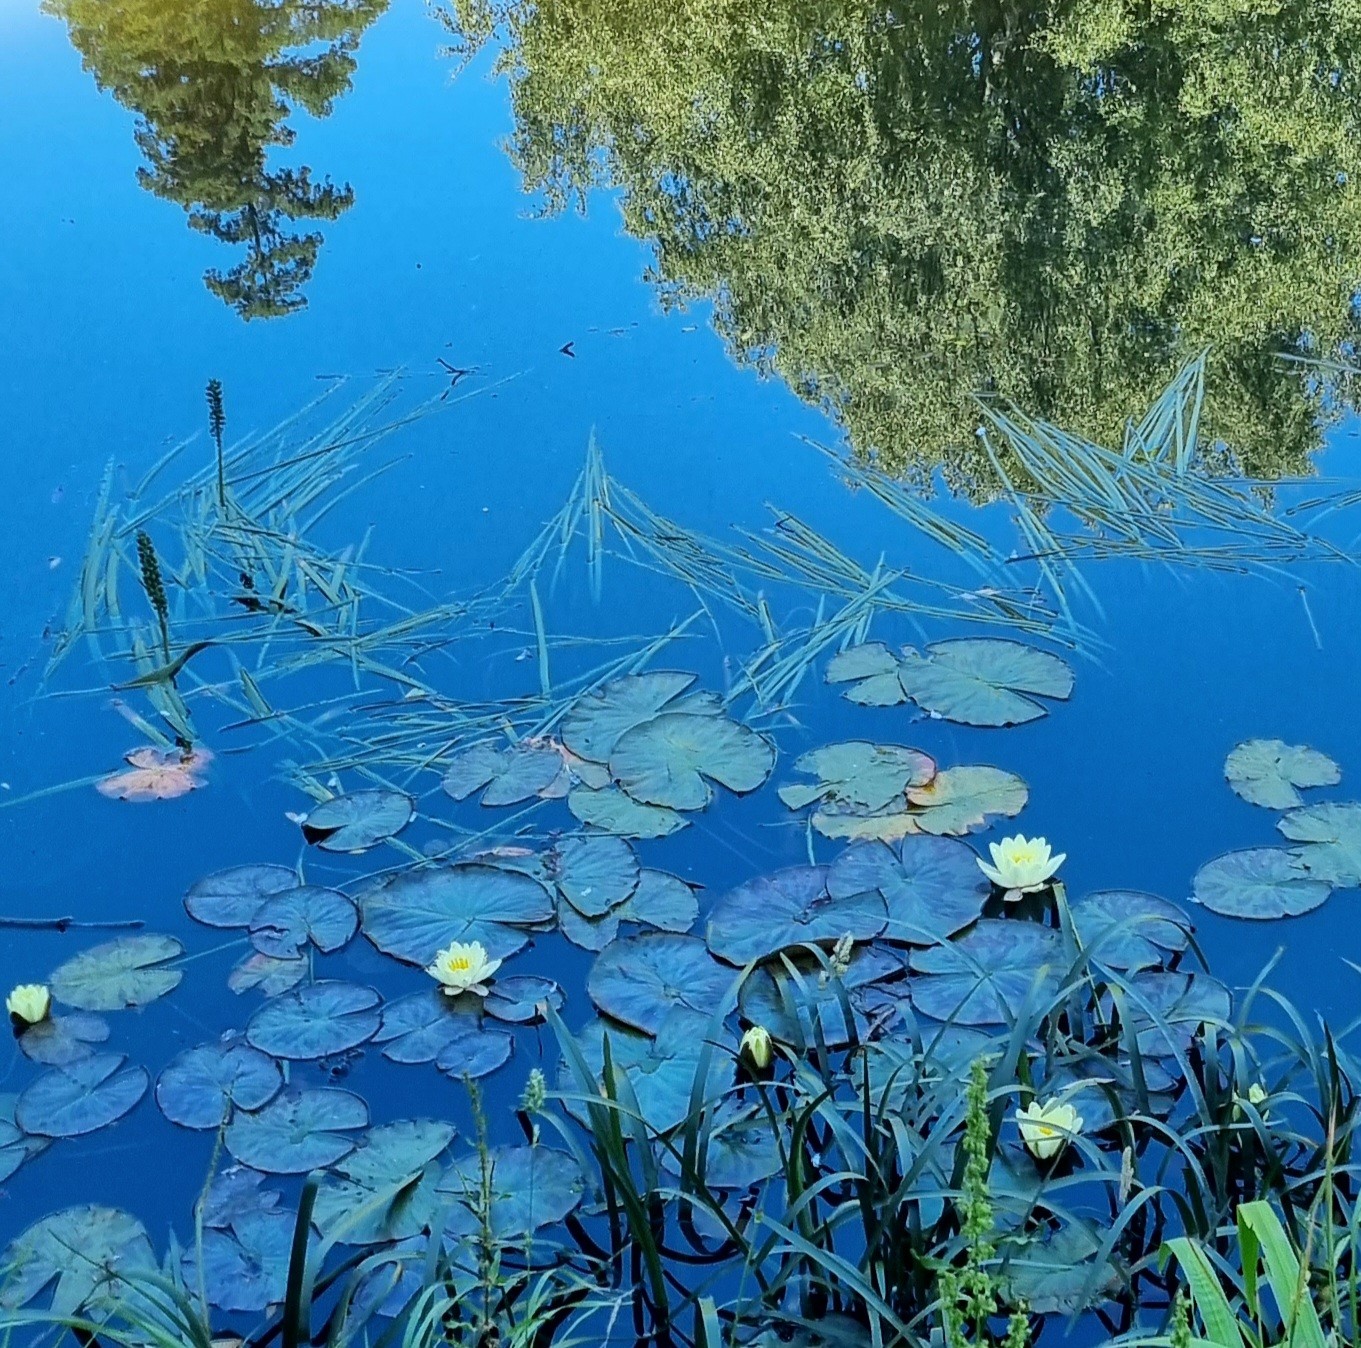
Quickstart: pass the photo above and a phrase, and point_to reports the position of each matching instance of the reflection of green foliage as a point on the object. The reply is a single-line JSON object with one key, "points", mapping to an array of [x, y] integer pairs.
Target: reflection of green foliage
{"points": [[895, 206], [213, 82]]}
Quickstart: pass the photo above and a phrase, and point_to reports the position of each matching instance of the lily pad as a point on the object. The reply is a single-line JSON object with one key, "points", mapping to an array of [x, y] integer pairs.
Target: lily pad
{"points": [[595, 872], [417, 913], [960, 800], [611, 811], [871, 670], [671, 759], [590, 933], [1128, 929], [16, 1146], [430, 1027], [791, 907], [987, 976], [595, 724], [931, 887], [284, 925], [661, 900], [245, 1266], [1259, 882], [1058, 1274], [85, 1255], [984, 681], [59, 1040], [81, 1097], [1167, 1009], [860, 775], [531, 1187], [359, 820], [119, 974], [268, 973], [511, 773], [1330, 838], [640, 980], [519, 999], [741, 1150], [1271, 773], [205, 1085], [157, 774], [232, 897], [298, 1131], [316, 1021], [799, 1011]]}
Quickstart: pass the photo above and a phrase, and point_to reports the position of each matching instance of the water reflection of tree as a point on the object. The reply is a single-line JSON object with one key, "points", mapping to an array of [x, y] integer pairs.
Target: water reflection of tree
{"points": [[213, 83], [895, 205]]}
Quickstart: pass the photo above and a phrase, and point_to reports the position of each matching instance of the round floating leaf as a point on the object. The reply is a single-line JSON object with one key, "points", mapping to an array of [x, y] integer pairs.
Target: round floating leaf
{"points": [[640, 980], [587, 932], [430, 1027], [359, 820], [511, 773], [202, 1086], [531, 1187], [791, 907], [988, 974], [245, 1268], [520, 999], [595, 724], [671, 759], [284, 925], [81, 1097], [85, 1255], [960, 800], [851, 822], [1167, 1008], [983, 680], [475, 1053], [662, 901], [317, 1021], [872, 671], [298, 1131], [271, 975], [123, 973], [1331, 838], [1259, 882], [415, 914], [1058, 1274], [931, 887], [861, 775], [1271, 772], [232, 897], [59, 1040], [236, 1193], [740, 1151], [16, 1146], [595, 872], [799, 1011], [611, 811], [1127, 929]]}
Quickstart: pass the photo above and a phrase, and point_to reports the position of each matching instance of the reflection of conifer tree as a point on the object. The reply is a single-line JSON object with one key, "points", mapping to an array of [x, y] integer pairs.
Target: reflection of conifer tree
{"points": [[213, 83], [894, 206]]}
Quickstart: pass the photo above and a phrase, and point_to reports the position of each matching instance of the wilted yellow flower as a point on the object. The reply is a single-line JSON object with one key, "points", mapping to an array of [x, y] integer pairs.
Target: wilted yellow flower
{"points": [[463, 967], [29, 1003], [756, 1047], [1021, 865], [1047, 1128]]}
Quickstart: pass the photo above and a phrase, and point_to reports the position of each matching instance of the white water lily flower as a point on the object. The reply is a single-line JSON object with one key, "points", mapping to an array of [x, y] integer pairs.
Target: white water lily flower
{"points": [[756, 1047], [29, 1003], [1047, 1128], [463, 967], [1021, 865]]}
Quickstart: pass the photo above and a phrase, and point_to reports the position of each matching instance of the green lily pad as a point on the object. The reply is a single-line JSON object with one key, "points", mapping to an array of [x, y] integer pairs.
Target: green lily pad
{"points": [[531, 1187], [1128, 929], [315, 1021], [741, 1150], [232, 897], [519, 999], [358, 820], [205, 1085], [595, 724], [986, 976], [245, 1266], [511, 773], [594, 872], [661, 900], [81, 1097], [285, 924], [640, 980], [590, 933], [1271, 773], [415, 914], [931, 887], [1330, 838], [237, 1192], [268, 973], [430, 1027], [671, 759], [86, 1255], [871, 670], [1259, 882], [611, 811], [860, 775], [984, 681], [16, 1146], [1058, 1274], [119, 974], [797, 1011], [59, 1040], [298, 1131], [1167, 1008], [791, 907], [960, 800]]}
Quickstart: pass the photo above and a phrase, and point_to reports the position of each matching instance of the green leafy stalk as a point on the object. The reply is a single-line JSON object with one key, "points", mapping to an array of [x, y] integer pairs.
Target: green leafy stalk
{"points": [[154, 586], [217, 423]]}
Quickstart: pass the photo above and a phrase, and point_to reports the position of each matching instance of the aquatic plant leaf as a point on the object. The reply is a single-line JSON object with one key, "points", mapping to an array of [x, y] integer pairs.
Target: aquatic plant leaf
{"points": [[204, 1085], [595, 872], [287, 922], [237, 1192], [851, 823], [612, 811], [960, 800], [531, 1187], [931, 887], [230, 898], [430, 1027], [520, 999], [59, 1040], [84, 1254], [511, 773], [945, 1054], [661, 900], [595, 724], [475, 1053], [268, 973], [316, 1021], [872, 671], [799, 1011], [791, 907], [590, 933], [671, 759], [394, 1162], [638, 981], [1166, 1008], [1271, 773], [1331, 838], [1259, 882], [245, 1267], [983, 681], [1128, 929], [415, 914], [358, 820], [16, 1146], [157, 774], [130, 971], [741, 1150], [298, 1131], [986, 976], [81, 1097], [860, 775], [1051, 1273]]}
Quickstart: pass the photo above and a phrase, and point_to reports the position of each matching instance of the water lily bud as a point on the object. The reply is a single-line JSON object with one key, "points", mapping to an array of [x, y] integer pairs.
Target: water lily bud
{"points": [[1048, 1127], [463, 967], [757, 1049], [28, 1004], [1258, 1094], [1021, 865]]}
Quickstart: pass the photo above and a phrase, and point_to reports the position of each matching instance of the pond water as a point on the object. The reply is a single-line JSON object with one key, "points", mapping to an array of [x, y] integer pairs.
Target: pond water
{"points": [[715, 299]]}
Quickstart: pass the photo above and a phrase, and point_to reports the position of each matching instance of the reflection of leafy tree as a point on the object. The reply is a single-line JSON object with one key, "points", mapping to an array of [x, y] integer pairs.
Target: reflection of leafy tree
{"points": [[213, 82], [897, 205]]}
